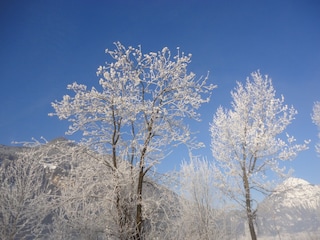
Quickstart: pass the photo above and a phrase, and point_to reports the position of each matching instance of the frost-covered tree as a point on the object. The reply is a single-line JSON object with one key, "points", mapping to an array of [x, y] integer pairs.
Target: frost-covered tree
{"points": [[316, 120], [203, 212], [247, 142], [26, 199], [136, 116], [77, 191]]}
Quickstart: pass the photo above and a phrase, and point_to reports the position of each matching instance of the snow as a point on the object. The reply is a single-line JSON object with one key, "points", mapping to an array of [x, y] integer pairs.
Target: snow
{"points": [[49, 166], [297, 192], [291, 183]]}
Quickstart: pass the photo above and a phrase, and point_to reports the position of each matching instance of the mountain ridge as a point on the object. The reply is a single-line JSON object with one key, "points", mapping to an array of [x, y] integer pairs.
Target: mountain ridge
{"points": [[294, 207]]}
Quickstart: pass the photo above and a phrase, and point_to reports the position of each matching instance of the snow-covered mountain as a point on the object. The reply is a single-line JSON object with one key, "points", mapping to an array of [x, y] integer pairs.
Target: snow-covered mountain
{"points": [[293, 208], [296, 192]]}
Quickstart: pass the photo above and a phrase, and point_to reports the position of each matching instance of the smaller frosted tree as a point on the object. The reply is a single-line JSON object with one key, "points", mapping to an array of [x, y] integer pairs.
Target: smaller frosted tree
{"points": [[247, 142], [316, 120], [202, 216]]}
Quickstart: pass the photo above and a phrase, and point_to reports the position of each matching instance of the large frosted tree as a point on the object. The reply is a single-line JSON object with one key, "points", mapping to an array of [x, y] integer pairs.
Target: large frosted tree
{"points": [[316, 120], [137, 115], [248, 141]]}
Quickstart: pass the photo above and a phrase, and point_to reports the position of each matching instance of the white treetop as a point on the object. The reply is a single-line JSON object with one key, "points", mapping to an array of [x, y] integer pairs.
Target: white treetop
{"points": [[247, 139], [141, 95]]}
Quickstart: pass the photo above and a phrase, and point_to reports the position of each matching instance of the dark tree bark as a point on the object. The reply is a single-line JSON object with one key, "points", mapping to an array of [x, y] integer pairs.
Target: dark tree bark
{"points": [[249, 211]]}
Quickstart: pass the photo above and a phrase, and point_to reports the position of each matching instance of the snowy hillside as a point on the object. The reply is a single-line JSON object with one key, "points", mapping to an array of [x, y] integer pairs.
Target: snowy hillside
{"points": [[296, 192], [293, 208]]}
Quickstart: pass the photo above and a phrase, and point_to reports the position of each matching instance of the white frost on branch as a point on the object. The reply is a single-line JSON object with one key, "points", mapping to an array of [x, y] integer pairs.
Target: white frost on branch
{"points": [[137, 90]]}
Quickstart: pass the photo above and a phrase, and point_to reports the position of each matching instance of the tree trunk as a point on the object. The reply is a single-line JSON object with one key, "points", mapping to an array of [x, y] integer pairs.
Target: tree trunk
{"points": [[251, 227], [250, 213], [139, 206], [139, 218]]}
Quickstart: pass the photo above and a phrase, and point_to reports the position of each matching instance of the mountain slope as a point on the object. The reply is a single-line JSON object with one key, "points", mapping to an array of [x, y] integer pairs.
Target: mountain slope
{"points": [[293, 207]]}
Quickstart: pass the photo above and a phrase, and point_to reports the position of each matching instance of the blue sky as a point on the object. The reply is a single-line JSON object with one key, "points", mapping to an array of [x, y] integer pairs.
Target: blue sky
{"points": [[45, 45]]}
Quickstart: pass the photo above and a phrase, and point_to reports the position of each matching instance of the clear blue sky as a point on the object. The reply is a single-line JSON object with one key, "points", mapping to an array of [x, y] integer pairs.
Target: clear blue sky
{"points": [[45, 45]]}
